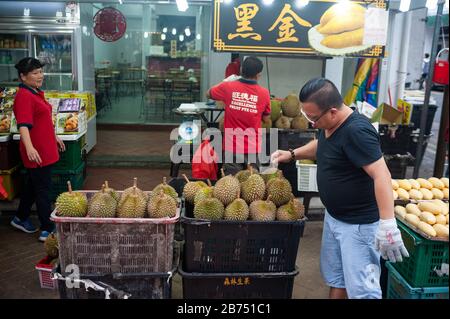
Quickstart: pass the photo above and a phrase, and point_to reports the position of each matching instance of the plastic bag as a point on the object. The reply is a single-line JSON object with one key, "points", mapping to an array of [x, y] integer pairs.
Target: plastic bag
{"points": [[204, 162]]}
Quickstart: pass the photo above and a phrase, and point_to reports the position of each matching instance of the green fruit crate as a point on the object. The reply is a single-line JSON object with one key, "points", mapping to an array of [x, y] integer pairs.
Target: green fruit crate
{"points": [[427, 265], [72, 157], [61, 176], [398, 288], [11, 182]]}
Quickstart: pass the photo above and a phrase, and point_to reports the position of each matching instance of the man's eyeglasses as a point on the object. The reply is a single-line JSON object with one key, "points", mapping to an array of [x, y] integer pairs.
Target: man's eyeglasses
{"points": [[313, 121]]}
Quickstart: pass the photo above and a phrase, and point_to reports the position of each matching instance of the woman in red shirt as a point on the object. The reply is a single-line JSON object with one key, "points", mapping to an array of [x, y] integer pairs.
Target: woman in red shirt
{"points": [[38, 147]]}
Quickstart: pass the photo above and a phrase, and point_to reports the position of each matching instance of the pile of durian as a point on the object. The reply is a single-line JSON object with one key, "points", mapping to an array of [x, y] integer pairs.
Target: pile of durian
{"points": [[51, 248], [161, 202], [245, 196], [284, 114], [420, 189]]}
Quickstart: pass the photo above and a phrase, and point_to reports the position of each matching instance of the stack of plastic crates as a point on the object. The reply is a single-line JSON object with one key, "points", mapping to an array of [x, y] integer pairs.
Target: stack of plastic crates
{"points": [[131, 255], [238, 259], [424, 275], [70, 167]]}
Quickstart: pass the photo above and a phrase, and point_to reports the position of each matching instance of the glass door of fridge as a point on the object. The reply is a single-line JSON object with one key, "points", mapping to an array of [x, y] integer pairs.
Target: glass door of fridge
{"points": [[56, 51], [13, 48]]}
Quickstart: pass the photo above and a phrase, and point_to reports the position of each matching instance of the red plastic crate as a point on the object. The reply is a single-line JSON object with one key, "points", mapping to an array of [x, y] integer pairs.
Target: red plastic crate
{"points": [[44, 269]]}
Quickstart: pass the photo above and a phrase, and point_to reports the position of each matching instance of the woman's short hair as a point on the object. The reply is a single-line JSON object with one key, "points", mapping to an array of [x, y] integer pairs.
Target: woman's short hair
{"points": [[27, 65]]}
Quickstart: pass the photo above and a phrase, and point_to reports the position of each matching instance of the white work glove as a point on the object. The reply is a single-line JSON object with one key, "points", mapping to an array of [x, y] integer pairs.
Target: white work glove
{"points": [[388, 241]]}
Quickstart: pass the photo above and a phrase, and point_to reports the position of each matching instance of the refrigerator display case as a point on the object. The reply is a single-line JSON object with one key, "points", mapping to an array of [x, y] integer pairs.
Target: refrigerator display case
{"points": [[13, 47]]}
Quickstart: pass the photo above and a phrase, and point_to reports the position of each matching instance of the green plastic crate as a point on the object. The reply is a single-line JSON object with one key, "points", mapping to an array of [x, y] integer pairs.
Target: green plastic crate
{"points": [[426, 259], [72, 157], [398, 288], [60, 178]]}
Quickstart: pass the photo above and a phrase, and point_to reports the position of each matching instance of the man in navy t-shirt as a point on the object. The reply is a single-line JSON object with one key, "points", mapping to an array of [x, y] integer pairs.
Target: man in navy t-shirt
{"points": [[355, 187]]}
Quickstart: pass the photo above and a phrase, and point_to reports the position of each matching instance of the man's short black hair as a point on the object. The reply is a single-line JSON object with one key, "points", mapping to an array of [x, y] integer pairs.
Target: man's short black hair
{"points": [[251, 67], [427, 55], [234, 56], [27, 65], [322, 92]]}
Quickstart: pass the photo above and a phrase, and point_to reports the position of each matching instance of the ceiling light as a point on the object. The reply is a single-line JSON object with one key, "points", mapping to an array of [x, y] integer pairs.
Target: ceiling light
{"points": [[268, 2], [174, 31], [163, 36], [198, 37], [187, 31], [301, 3], [26, 12], [165, 29], [181, 37]]}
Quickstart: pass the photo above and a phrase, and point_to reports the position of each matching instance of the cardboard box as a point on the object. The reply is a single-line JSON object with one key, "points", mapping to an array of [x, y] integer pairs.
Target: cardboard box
{"points": [[390, 115]]}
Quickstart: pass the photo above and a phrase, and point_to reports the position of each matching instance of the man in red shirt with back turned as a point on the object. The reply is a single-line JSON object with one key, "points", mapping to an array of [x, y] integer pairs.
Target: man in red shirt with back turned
{"points": [[246, 104]]}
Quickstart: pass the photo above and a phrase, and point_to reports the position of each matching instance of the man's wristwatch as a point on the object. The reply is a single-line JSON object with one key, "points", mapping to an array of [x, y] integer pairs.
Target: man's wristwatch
{"points": [[292, 154]]}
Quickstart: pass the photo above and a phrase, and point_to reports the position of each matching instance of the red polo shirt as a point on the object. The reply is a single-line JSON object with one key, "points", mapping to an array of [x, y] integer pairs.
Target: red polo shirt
{"points": [[245, 104], [33, 111]]}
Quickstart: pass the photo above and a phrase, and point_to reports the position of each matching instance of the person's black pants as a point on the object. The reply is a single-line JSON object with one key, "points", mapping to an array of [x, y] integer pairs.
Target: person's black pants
{"points": [[38, 182]]}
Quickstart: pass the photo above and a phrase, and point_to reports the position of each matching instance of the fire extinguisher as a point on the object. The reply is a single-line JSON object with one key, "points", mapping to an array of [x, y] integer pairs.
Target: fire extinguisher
{"points": [[440, 74]]}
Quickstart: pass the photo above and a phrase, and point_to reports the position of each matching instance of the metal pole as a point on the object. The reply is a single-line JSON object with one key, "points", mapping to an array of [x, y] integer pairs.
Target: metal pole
{"points": [[424, 114], [439, 162]]}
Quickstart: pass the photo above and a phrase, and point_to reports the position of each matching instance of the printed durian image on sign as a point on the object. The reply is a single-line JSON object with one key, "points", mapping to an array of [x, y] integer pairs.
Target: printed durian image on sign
{"points": [[341, 30]]}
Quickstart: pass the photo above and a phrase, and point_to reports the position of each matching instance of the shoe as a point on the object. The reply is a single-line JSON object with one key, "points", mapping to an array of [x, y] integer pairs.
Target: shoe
{"points": [[43, 236], [25, 226]]}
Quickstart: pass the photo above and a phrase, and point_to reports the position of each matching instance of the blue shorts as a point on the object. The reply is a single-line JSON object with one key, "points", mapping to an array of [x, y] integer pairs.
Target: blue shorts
{"points": [[348, 258]]}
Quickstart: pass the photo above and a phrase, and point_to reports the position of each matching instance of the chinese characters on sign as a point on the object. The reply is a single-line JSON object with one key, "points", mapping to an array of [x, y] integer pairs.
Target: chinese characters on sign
{"points": [[239, 281], [332, 28]]}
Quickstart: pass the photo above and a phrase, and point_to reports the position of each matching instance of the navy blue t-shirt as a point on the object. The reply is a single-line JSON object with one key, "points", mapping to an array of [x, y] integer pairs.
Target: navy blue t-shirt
{"points": [[346, 190]]}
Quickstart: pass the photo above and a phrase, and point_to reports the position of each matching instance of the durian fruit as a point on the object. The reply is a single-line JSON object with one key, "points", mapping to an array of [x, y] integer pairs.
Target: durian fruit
{"points": [[102, 204], [237, 210], [112, 192], [227, 189], [253, 188], [283, 123], [300, 123], [162, 205], [209, 208], [204, 192], [293, 210], [169, 190], [132, 205], [279, 190], [269, 173], [275, 110], [191, 188], [133, 189], [243, 175], [71, 204], [53, 261], [291, 106], [263, 210], [51, 246]]}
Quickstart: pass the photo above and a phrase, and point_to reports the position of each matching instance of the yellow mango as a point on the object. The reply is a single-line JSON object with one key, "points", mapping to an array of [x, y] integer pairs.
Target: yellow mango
{"points": [[426, 228], [394, 184], [437, 183], [430, 207], [412, 219], [401, 211], [394, 194], [445, 181], [437, 193], [440, 219], [441, 230], [424, 183], [427, 194], [413, 209], [415, 194], [405, 184], [402, 194], [428, 218], [414, 184]]}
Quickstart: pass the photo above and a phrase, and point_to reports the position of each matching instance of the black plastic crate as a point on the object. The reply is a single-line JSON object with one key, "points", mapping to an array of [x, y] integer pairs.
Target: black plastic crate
{"points": [[414, 141], [240, 246], [238, 285], [417, 114], [9, 154], [396, 143], [288, 138], [397, 166], [136, 286]]}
